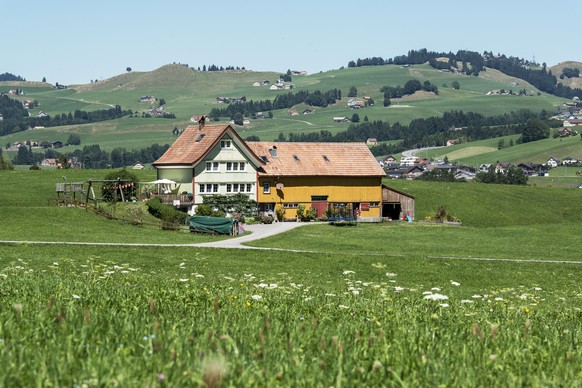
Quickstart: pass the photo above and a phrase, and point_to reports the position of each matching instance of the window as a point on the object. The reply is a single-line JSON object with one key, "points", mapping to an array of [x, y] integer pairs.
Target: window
{"points": [[225, 144], [235, 187], [208, 188], [228, 188], [249, 188], [200, 137], [266, 188], [235, 166], [212, 166], [291, 205]]}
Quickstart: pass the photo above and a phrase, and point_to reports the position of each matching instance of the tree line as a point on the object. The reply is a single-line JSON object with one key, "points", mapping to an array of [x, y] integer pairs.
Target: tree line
{"points": [[281, 101], [10, 77], [543, 79], [435, 131], [221, 68], [93, 157], [16, 117], [416, 57], [410, 87]]}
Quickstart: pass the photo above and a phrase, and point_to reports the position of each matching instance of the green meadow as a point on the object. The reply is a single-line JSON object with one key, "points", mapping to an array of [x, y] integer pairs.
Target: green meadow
{"points": [[496, 301], [189, 92]]}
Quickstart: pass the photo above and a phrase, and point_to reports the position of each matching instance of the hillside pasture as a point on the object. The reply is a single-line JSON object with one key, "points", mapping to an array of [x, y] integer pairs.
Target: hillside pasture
{"points": [[534, 152], [189, 92]]}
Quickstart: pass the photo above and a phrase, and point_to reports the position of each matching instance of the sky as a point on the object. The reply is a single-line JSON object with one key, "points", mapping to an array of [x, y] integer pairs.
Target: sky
{"points": [[72, 42]]}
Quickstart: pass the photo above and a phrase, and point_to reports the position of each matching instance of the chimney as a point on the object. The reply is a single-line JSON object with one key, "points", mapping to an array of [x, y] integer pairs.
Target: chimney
{"points": [[201, 122], [273, 151]]}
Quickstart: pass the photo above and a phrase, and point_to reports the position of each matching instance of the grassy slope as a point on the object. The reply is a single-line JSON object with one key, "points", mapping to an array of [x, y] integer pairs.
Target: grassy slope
{"points": [[485, 151], [499, 221], [25, 213], [188, 92], [572, 82]]}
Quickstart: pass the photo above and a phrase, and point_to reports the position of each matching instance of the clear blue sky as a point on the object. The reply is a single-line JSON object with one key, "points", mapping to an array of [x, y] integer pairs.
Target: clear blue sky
{"points": [[78, 41]]}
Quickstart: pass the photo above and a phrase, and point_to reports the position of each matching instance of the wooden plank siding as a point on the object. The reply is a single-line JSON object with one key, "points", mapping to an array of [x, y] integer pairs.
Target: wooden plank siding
{"points": [[342, 189], [406, 201]]}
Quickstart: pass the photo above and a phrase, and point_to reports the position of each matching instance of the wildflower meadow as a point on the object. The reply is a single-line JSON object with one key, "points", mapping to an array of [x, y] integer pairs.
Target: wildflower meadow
{"points": [[195, 319]]}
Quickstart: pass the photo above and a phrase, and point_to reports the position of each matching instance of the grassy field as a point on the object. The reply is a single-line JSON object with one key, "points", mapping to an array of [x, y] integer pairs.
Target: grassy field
{"points": [[496, 301], [486, 151]]}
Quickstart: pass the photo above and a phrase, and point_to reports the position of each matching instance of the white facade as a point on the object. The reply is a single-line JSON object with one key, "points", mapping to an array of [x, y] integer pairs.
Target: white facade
{"points": [[225, 170], [408, 161]]}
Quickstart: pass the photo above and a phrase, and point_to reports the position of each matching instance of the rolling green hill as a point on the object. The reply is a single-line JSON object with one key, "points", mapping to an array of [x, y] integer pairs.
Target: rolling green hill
{"points": [[571, 82], [189, 92], [485, 151]]}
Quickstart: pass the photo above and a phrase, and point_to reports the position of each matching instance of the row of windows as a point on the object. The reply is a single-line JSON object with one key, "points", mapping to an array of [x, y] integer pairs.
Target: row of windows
{"points": [[230, 187], [239, 188], [230, 166], [294, 205]]}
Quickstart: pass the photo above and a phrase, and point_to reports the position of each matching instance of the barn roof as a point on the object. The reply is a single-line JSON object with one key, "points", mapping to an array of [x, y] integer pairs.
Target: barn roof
{"points": [[316, 159]]}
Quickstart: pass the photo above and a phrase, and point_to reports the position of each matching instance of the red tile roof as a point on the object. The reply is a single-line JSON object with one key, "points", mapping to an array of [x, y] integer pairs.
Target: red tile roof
{"points": [[195, 143], [316, 159], [292, 159]]}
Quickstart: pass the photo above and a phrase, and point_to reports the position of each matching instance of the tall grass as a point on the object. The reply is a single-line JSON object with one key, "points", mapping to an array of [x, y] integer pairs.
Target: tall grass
{"points": [[118, 319]]}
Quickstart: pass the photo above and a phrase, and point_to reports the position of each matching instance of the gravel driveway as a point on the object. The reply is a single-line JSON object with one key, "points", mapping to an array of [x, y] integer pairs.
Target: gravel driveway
{"points": [[259, 231]]}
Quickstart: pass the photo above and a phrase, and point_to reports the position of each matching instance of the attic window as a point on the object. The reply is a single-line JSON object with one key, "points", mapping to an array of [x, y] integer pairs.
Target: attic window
{"points": [[200, 137], [296, 158], [264, 159], [325, 158], [225, 144]]}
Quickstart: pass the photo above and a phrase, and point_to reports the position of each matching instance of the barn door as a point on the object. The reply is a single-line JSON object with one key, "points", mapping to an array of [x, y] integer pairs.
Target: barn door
{"points": [[319, 204]]}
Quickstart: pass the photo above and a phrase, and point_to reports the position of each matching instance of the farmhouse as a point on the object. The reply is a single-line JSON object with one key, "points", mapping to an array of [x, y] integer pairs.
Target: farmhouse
{"points": [[280, 176], [553, 162], [572, 123], [210, 160], [341, 119], [566, 132], [320, 176]]}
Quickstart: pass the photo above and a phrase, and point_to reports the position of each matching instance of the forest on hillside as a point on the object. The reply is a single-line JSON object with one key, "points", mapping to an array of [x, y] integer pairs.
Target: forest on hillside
{"points": [[472, 63]]}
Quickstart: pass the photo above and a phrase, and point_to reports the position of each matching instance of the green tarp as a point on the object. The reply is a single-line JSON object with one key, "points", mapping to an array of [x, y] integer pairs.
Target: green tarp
{"points": [[215, 225]]}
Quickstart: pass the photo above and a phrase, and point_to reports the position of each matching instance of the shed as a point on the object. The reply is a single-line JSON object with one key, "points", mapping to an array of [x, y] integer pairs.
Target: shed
{"points": [[396, 204]]}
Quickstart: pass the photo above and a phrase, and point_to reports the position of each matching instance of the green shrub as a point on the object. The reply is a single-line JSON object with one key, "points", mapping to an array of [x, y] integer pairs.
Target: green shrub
{"points": [[126, 179], [280, 212], [166, 213]]}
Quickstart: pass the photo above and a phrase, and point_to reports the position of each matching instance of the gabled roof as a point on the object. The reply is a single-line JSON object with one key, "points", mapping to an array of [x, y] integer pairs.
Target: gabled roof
{"points": [[197, 141], [316, 159]]}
